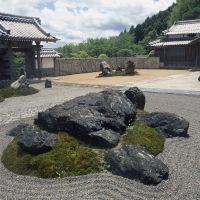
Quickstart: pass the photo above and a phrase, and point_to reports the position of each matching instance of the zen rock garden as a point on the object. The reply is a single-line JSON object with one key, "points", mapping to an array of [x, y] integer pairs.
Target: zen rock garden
{"points": [[106, 69], [107, 131]]}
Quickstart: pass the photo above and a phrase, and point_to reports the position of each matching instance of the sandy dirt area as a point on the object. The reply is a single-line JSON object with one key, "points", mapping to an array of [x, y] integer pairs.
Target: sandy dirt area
{"points": [[143, 75]]}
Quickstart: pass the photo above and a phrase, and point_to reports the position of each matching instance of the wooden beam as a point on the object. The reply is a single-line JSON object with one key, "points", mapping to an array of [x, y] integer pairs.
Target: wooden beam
{"points": [[38, 47]]}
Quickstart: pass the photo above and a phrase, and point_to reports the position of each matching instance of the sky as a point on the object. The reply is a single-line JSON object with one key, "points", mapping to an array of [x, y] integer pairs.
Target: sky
{"points": [[73, 21]]}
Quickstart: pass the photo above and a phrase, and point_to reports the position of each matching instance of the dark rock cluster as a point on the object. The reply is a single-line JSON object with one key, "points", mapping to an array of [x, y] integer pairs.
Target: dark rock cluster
{"points": [[99, 119]]}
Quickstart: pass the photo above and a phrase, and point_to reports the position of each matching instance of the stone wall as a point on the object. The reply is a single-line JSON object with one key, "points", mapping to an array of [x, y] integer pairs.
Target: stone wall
{"points": [[76, 66]]}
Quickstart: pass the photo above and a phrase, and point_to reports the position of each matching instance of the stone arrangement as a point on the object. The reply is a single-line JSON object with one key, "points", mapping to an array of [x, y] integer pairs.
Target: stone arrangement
{"points": [[130, 67], [99, 120], [20, 83], [105, 68]]}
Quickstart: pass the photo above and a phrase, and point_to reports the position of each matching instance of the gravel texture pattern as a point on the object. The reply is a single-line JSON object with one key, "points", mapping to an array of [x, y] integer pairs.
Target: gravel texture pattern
{"points": [[181, 155]]}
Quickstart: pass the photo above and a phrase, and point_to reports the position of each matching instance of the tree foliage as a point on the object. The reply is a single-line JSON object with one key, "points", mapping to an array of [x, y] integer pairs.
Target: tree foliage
{"points": [[136, 39]]}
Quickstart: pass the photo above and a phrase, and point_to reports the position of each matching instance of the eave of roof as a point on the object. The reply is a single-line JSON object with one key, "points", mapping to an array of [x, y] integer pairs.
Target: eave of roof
{"points": [[184, 27], [48, 53], [20, 28], [159, 43]]}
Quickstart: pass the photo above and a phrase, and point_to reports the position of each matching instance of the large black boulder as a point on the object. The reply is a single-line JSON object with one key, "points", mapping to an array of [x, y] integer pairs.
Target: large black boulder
{"points": [[167, 124], [136, 96], [134, 162], [34, 140], [109, 111]]}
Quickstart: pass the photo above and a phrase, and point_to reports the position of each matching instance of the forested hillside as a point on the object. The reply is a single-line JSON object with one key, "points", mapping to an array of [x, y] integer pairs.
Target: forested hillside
{"points": [[134, 41]]}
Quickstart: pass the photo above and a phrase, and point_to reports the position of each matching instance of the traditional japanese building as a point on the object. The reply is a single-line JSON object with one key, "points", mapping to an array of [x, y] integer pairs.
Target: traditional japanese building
{"points": [[21, 34], [47, 60], [180, 47]]}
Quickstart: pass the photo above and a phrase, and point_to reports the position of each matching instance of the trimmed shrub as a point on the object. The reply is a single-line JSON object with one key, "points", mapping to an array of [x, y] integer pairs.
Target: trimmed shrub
{"points": [[145, 136]]}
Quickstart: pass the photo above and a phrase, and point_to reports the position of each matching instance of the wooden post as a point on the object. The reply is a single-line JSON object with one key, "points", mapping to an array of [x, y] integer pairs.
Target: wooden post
{"points": [[11, 63], [38, 59]]}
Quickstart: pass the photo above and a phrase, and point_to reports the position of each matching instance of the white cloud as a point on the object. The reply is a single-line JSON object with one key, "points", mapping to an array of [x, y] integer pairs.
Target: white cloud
{"points": [[77, 20]]}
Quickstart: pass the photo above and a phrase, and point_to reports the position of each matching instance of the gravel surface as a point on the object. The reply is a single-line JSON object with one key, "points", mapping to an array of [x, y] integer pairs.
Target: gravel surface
{"points": [[181, 155]]}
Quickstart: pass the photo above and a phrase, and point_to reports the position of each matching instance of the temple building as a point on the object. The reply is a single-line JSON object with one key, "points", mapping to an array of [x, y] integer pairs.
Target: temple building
{"points": [[180, 47], [21, 34], [47, 60]]}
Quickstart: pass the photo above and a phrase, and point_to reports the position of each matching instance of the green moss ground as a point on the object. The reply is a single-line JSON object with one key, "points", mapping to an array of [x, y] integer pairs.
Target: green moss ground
{"points": [[67, 158], [145, 136], [115, 73], [10, 92]]}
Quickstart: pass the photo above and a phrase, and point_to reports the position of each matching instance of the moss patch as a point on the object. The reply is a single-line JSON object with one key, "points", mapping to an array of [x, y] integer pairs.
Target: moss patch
{"points": [[116, 73], [67, 158], [145, 136], [10, 92], [141, 113]]}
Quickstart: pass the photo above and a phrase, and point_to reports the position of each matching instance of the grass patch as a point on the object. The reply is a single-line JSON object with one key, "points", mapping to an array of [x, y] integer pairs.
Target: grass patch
{"points": [[67, 158], [10, 92], [145, 136], [116, 73]]}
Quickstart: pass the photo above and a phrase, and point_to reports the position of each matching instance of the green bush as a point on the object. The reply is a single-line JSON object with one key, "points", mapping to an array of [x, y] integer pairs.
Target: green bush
{"points": [[102, 56], [10, 92], [67, 158], [145, 136]]}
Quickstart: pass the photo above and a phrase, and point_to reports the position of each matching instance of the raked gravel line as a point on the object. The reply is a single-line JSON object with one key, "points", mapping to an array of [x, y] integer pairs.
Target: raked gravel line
{"points": [[181, 155]]}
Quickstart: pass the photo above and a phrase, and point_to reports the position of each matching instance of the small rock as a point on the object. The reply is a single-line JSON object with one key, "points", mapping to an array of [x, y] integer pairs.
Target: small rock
{"points": [[33, 140], [48, 83], [136, 96], [167, 124], [119, 69], [134, 162], [20, 83]]}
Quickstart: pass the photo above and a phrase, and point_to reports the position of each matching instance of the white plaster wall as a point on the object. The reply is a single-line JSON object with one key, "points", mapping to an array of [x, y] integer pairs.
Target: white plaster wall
{"points": [[46, 63]]}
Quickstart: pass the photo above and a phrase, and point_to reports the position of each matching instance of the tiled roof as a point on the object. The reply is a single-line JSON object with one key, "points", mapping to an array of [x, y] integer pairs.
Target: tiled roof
{"points": [[49, 53], [184, 27], [19, 28], [159, 43]]}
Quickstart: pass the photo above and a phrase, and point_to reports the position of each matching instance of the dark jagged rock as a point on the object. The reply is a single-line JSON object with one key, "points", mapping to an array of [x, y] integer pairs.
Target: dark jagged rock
{"points": [[134, 162], [167, 124], [105, 138], [83, 116], [34, 140], [136, 96], [199, 78], [17, 130]]}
